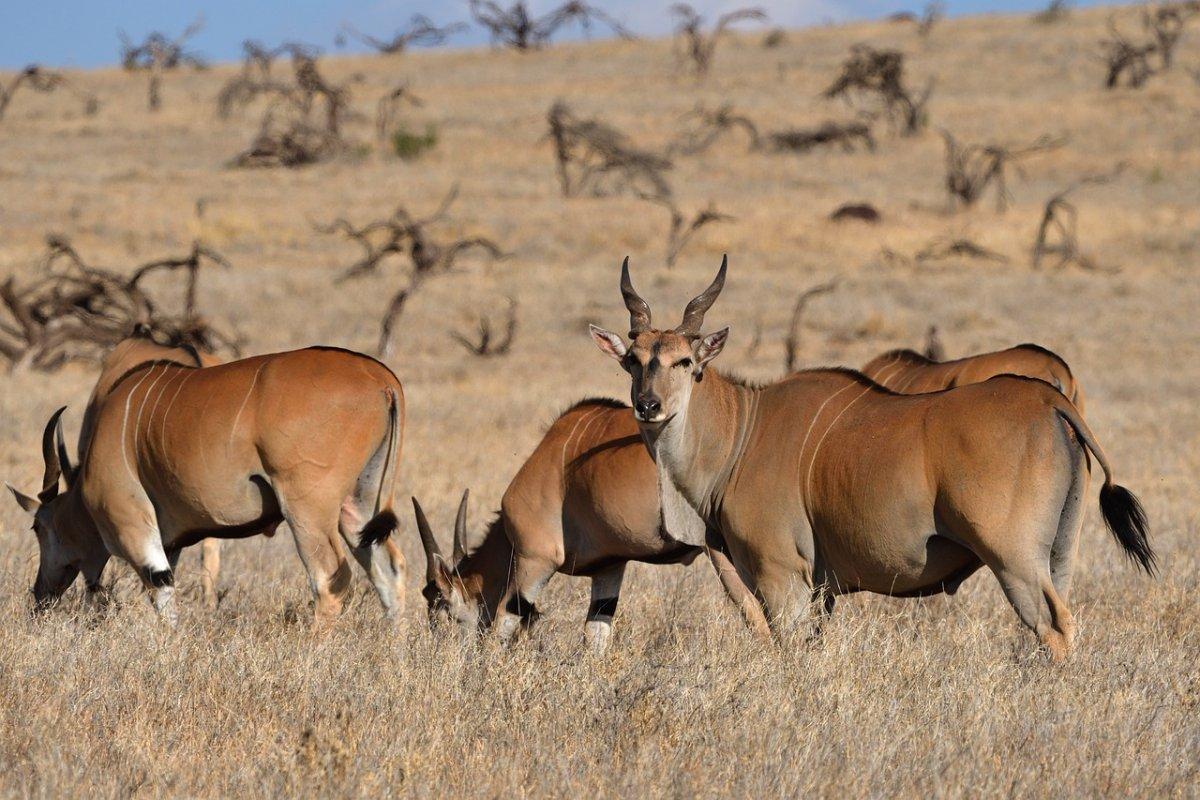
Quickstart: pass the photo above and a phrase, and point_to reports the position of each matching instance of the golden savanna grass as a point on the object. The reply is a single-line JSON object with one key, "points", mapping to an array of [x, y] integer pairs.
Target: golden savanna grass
{"points": [[941, 697]]}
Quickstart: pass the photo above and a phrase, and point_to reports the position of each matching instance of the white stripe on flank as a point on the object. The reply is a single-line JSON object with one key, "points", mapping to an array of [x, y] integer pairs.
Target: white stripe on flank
{"points": [[167, 412], [817, 449], [157, 400], [242, 407], [125, 424], [571, 436], [137, 425], [812, 424]]}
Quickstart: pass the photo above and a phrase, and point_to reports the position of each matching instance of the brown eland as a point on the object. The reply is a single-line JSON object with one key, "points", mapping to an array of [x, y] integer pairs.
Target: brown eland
{"points": [[826, 483], [177, 454], [909, 372], [585, 502]]}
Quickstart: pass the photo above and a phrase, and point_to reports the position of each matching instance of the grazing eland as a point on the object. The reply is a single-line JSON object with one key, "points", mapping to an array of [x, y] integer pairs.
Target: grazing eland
{"points": [[585, 503], [909, 372], [826, 483], [177, 454]]}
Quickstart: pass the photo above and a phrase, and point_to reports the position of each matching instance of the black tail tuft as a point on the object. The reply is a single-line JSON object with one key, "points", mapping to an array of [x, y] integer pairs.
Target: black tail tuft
{"points": [[1127, 523], [379, 528]]}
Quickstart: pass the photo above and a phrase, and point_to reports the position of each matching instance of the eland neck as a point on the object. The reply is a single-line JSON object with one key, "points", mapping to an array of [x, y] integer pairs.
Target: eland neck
{"points": [[699, 448]]}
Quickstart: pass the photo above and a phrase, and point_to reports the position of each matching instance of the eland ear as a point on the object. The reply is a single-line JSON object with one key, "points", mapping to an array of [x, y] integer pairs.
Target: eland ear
{"points": [[608, 342], [27, 503], [710, 346]]}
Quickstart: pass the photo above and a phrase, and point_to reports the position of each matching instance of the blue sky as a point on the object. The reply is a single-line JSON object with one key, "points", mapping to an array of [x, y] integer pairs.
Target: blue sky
{"points": [[83, 33]]}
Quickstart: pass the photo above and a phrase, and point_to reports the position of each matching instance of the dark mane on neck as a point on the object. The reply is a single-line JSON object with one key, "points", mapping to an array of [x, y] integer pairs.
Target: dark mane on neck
{"points": [[605, 402], [1037, 348], [907, 355], [852, 374], [157, 362]]}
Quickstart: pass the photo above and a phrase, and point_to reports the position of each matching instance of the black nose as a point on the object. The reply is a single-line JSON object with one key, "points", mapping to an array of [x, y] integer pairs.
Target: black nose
{"points": [[648, 407]]}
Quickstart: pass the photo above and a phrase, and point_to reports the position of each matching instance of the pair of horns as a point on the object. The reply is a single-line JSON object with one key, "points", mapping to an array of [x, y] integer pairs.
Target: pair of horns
{"points": [[430, 545], [54, 456], [693, 315]]}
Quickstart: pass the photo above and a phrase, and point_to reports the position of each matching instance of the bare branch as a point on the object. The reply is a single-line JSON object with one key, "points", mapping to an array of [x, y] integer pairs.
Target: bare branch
{"points": [[487, 344], [791, 345], [698, 47], [517, 28], [879, 75], [971, 168], [594, 157]]}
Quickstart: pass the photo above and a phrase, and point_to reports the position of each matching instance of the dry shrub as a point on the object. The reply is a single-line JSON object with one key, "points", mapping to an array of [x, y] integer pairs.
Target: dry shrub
{"points": [[487, 344], [403, 234], [933, 13], [706, 125], [972, 168], [877, 76], [695, 46], [1055, 11], [421, 31], [76, 311], [1129, 61], [1057, 236], [518, 28], [934, 350], [158, 53], [44, 81], [592, 156], [681, 229], [791, 343], [302, 124]]}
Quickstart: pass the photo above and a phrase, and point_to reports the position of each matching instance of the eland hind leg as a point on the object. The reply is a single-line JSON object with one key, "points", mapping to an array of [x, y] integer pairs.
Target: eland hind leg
{"points": [[314, 525], [210, 570]]}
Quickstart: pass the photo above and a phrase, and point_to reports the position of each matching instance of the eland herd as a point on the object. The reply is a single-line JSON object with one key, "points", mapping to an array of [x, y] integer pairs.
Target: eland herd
{"points": [[902, 479]]}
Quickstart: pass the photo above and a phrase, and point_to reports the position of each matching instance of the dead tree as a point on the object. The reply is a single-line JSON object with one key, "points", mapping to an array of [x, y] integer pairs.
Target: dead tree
{"points": [[303, 123], [1055, 11], [404, 235], [846, 134], [157, 54], [1165, 25], [708, 125], [1126, 60], [487, 344], [594, 157], [933, 13], [681, 229], [387, 110], [1057, 235], [43, 81], [791, 344], [971, 168], [517, 28], [421, 31], [75, 311], [878, 76], [256, 78], [934, 349], [696, 48]]}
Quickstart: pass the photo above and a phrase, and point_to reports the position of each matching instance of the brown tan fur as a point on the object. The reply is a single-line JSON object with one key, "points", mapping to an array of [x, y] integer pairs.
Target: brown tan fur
{"points": [[826, 483], [909, 372], [178, 454], [585, 502]]}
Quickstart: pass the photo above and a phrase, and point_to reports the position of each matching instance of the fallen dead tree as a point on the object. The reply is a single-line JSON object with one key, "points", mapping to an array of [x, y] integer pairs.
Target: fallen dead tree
{"points": [[972, 168], [43, 81], [594, 157], [487, 343], [157, 54], [801, 140], [695, 47], [404, 235], [878, 76], [75, 311], [421, 30], [791, 344], [517, 28]]}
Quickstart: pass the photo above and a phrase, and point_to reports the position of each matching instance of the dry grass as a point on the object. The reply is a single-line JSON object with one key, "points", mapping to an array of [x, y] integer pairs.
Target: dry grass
{"points": [[940, 697]]}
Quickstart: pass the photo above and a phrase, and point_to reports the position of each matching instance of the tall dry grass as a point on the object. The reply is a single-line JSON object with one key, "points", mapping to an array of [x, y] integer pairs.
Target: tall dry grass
{"points": [[946, 696]]}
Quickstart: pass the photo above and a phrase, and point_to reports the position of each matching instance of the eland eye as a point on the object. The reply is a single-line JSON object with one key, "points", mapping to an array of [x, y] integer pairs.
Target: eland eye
{"points": [[683, 362]]}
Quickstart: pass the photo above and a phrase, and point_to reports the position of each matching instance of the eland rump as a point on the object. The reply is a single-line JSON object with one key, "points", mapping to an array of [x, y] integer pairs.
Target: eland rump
{"points": [[826, 483], [584, 503], [177, 454]]}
